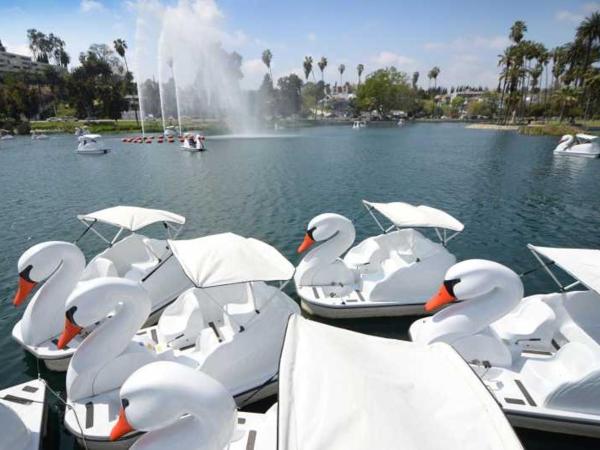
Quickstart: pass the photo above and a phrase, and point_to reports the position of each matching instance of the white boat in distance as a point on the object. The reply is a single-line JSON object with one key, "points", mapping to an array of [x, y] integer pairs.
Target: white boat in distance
{"points": [[585, 145], [539, 355], [359, 124], [391, 274], [60, 267], [397, 398], [92, 144], [23, 414], [193, 143]]}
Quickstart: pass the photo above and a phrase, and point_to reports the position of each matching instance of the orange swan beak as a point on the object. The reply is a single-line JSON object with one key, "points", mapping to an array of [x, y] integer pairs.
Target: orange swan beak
{"points": [[69, 332], [25, 287], [306, 243], [120, 428], [443, 297]]}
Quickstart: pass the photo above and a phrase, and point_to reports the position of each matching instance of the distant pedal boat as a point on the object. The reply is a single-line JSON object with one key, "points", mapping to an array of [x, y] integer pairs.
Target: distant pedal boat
{"points": [[194, 143], [584, 145], [91, 144], [392, 274]]}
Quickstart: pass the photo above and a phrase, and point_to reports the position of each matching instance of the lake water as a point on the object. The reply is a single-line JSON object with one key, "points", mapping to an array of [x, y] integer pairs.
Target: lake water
{"points": [[507, 189]]}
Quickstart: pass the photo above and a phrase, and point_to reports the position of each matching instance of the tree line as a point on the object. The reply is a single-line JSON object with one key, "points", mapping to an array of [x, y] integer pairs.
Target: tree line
{"points": [[97, 87], [563, 82]]}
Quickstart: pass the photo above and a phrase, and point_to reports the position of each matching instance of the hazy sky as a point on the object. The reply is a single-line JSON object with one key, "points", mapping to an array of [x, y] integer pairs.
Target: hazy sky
{"points": [[462, 37]]}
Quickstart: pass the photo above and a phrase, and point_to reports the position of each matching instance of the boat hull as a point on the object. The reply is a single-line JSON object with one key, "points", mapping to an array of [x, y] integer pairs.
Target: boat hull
{"points": [[553, 424], [102, 151], [390, 309]]}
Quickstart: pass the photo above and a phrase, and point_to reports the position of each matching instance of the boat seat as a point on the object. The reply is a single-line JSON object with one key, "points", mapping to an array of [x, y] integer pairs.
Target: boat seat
{"points": [[532, 319], [182, 321], [568, 381], [99, 267]]}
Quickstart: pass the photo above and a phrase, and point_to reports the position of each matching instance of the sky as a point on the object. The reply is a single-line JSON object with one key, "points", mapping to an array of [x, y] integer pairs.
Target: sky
{"points": [[461, 37]]}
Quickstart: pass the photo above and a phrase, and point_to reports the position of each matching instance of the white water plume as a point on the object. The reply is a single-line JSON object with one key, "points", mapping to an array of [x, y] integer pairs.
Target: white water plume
{"points": [[183, 72]]}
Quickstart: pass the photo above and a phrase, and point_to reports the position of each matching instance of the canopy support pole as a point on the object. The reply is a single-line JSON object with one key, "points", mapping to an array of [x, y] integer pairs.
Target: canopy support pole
{"points": [[158, 266], [116, 236], [541, 261], [87, 228], [572, 285], [369, 209]]}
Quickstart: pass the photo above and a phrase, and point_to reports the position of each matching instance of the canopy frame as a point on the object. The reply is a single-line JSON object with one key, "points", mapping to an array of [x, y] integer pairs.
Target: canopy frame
{"points": [[171, 230], [441, 233], [546, 266]]}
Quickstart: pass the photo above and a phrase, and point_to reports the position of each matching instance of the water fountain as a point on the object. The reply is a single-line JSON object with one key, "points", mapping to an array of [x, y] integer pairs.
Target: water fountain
{"points": [[182, 69]]}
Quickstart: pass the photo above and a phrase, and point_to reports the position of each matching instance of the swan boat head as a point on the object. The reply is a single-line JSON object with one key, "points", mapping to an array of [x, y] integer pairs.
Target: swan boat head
{"points": [[324, 227], [40, 262], [321, 265], [474, 281], [92, 301], [156, 396]]}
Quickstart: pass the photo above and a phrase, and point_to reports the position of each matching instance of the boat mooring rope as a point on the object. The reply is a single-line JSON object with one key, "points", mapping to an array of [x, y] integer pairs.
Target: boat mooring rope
{"points": [[57, 395]]}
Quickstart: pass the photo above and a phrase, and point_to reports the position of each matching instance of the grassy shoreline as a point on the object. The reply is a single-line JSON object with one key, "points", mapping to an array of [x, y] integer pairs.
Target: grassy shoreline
{"points": [[218, 127]]}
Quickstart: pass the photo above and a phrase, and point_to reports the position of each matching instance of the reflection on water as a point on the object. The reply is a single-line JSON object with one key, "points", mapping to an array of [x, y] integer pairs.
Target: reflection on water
{"points": [[508, 190]]}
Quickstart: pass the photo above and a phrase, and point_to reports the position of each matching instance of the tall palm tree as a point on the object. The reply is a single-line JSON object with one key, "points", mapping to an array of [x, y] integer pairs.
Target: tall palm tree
{"points": [[341, 69], [322, 65], [120, 47], [267, 56], [434, 74], [415, 80], [308, 66], [589, 32], [517, 31], [360, 69]]}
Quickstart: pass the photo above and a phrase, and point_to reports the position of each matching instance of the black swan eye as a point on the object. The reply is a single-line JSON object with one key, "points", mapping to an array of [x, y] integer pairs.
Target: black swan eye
{"points": [[124, 403], [26, 273], [449, 285], [310, 232], [70, 312]]}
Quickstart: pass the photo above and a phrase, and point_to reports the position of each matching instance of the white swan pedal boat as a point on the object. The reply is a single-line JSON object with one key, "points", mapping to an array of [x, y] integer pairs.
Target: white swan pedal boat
{"points": [[193, 143], [230, 325], [539, 355], [60, 267], [391, 274], [586, 145], [23, 413], [91, 144], [386, 399]]}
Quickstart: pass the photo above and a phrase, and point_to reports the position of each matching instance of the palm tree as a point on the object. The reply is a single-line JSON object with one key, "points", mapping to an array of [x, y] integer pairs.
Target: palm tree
{"points": [[120, 47], [322, 65], [517, 31], [267, 56], [360, 69], [415, 79], [588, 32], [341, 69], [433, 73], [307, 65]]}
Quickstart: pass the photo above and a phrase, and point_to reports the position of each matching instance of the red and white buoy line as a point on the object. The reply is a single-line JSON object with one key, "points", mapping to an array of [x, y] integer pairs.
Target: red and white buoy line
{"points": [[150, 139]]}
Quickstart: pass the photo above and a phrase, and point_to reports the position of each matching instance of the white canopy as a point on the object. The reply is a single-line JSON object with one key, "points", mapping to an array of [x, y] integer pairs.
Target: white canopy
{"points": [[586, 137], [90, 136], [228, 258], [340, 390], [582, 264], [406, 215], [132, 218]]}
